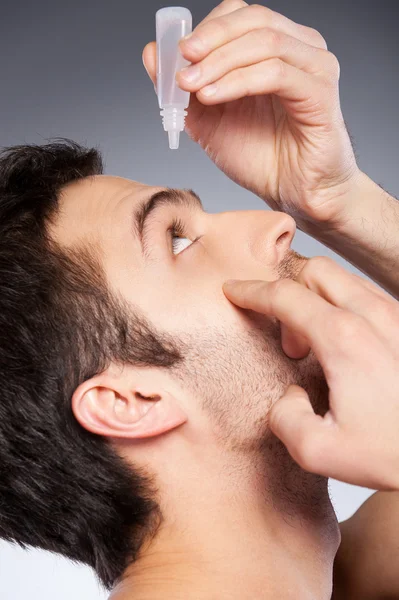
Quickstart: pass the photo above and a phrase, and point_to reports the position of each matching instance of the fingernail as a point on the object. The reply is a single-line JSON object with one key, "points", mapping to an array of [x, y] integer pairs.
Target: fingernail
{"points": [[209, 90], [192, 42], [230, 282], [191, 73]]}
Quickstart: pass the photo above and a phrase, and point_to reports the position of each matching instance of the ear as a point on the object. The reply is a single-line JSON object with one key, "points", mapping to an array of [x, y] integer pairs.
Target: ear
{"points": [[113, 406]]}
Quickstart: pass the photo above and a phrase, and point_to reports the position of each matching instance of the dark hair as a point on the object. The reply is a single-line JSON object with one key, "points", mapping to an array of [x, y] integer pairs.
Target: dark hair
{"points": [[62, 487]]}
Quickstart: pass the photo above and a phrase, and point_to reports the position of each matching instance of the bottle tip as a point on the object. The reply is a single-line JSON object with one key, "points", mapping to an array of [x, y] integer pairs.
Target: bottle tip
{"points": [[174, 139]]}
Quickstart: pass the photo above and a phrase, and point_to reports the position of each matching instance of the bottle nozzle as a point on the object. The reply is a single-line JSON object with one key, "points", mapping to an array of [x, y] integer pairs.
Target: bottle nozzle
{"points": [[174, 139]]}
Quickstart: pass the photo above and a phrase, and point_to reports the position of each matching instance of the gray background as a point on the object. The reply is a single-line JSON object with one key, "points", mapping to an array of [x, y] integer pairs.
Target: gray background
{"points": [[74, 69]]}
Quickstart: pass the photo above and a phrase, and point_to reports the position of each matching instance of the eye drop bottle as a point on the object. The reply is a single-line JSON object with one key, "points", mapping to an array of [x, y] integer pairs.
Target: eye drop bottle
{"points": [[172, 23]]}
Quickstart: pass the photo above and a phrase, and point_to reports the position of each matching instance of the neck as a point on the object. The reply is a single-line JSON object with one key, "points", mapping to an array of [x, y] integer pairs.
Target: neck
{"points": [[238, 534]]}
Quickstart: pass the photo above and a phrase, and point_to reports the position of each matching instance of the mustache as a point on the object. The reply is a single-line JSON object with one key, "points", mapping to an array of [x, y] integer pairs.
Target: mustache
{"points": [[291, 265]]}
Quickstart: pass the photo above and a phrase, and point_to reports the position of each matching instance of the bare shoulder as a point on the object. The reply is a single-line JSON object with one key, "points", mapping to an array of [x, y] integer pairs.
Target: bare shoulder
{"points": [[367, 561]]}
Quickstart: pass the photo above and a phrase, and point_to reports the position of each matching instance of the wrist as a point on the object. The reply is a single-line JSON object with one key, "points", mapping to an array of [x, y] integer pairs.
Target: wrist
{"points": [[343, 203], [363, 231]]}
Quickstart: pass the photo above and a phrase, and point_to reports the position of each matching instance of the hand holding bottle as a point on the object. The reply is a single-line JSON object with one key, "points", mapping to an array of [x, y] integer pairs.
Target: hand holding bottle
{"points": [[274, 123]]}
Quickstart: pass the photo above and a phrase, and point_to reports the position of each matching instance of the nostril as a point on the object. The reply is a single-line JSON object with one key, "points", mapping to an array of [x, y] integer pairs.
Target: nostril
{"points": [[282, 238]]}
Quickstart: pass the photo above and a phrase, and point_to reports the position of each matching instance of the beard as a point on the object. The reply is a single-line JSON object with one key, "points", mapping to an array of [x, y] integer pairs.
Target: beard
{"points": [[238, 373]]}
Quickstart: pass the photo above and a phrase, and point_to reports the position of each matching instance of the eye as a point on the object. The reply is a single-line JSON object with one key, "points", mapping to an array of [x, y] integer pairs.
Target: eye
{"points": [[178, 235]]}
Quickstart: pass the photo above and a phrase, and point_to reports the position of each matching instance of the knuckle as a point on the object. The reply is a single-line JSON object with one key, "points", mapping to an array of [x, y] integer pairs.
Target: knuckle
{"points": [[276, 288], [217, 28], [313, 449], [332, 65], [240, 77], [235, 3], [272, 38], [316, 38], [335, 64], [259, 10], [220, 56], [388, 310], [315, 266], [263, 14], [277, 68]]}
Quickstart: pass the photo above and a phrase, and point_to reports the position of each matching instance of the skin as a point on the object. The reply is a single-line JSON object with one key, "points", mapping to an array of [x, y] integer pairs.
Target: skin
{"points": [[366, 565], [296, 156], [233, 498], [277, 102], [352, 327]]}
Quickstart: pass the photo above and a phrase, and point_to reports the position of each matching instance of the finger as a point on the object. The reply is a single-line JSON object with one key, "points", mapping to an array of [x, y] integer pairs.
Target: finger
{"points": [[297, 307], [195, 109], [301, 94], [346, 290], [149, 55], [308, 437], [373, 287], [256, 46], [293, 344], [318, 444], [224, 8], [223, 25], [149, 58]]}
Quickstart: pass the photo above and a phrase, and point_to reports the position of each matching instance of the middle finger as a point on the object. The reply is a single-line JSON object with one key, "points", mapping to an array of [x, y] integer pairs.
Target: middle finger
{"points": [[345, 290], [254, 47], [215, 32]]}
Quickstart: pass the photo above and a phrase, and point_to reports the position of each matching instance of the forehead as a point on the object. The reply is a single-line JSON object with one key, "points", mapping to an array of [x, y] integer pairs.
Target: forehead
{"points": [[89, 206]]}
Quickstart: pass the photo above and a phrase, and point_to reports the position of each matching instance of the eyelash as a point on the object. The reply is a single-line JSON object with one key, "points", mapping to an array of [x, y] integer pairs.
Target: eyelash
{"points": [[178, 229]]}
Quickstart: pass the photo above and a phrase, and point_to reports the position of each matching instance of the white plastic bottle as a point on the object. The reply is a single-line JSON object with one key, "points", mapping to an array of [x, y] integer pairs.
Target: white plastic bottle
{"points": [[172, 23]]}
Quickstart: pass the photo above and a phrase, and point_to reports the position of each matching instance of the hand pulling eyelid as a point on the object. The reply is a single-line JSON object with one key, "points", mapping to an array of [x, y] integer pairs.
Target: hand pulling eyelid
{"points": [[172, 23]]}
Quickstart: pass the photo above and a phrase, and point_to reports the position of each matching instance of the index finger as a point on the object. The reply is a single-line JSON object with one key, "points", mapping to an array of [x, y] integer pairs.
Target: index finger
{"points": [[149, 54], [224, 8], [292, 303], [261, 16]]}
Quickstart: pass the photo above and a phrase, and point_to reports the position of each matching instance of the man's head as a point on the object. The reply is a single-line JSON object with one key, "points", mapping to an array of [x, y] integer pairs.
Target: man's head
{"points": [[125, 371]]}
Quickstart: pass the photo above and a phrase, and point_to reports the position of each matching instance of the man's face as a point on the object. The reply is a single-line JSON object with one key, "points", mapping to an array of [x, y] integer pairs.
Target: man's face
{"points": [[234, 363]]}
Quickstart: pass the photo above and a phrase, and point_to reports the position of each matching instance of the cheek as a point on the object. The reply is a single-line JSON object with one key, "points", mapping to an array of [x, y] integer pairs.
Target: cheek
{"points": [[189, 308], [178, 304]]}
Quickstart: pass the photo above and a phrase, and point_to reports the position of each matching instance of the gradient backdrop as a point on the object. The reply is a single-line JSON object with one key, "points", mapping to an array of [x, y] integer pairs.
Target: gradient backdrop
{"points": [[74, 69]]}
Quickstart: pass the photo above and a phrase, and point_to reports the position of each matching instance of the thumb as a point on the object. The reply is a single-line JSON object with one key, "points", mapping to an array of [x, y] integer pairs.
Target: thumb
{"points": [[149, 57], [307, 436]]}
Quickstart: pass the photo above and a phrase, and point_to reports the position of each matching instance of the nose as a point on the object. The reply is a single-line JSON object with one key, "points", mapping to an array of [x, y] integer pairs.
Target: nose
{"points": [[261, 236], [282, 233], [275, 233]]}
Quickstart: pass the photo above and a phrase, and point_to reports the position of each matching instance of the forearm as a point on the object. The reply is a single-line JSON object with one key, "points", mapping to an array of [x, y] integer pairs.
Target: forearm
{"points": [[368, 236]]}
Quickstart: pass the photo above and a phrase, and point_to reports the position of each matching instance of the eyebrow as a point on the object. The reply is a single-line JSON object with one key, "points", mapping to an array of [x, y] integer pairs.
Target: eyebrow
{"points": [[185, 198]]}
